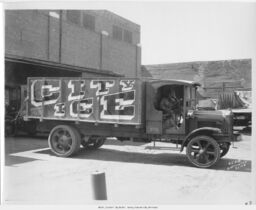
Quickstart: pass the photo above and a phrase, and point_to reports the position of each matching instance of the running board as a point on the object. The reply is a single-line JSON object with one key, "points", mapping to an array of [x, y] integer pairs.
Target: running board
{"points": [[163, 148]]}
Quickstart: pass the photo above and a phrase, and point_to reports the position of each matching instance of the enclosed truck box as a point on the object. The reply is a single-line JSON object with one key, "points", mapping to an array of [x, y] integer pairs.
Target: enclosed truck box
{"points": [[85, 111], [113, 101]]}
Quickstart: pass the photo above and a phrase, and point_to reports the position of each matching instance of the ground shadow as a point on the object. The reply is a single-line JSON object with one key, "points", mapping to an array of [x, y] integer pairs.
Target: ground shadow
{"points": [[11, 160], [168, 159], [34, 136], [124, 143], [234, 165], [15, 145]]}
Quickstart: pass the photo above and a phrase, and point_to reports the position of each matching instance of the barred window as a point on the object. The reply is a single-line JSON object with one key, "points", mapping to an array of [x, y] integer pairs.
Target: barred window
{"points": [[117, 33], [89, 21], [73, 16], [128, 36]]}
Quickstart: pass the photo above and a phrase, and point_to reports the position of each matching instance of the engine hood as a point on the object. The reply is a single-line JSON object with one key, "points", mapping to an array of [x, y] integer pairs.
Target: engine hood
{"points": [[216, 114], [221, 119]]}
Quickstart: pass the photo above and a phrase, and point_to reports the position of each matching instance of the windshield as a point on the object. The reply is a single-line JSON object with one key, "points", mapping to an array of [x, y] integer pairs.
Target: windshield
{"points": [[190, 97]]}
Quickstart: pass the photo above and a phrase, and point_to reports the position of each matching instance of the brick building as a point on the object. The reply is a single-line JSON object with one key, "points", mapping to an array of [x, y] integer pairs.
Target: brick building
{"points": [[69, 43]]}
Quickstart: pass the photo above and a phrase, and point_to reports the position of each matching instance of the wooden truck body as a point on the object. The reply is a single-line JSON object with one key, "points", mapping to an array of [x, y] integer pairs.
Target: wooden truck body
{"points": [[88, 110]]}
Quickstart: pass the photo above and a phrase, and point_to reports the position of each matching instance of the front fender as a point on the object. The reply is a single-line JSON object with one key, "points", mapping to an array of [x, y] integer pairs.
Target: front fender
{"points": [[200, 131]]}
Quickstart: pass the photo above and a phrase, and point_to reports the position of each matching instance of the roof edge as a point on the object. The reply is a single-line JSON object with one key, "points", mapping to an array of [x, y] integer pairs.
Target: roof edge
{"points": [[21, 59]]}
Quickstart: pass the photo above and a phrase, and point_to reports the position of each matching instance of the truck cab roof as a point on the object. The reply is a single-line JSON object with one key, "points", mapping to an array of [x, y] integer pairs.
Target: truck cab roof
{"points": [[160, 82]]}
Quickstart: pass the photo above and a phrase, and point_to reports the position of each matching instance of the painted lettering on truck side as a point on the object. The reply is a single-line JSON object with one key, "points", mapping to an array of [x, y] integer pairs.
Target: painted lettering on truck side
{"points": [[84, 99]]}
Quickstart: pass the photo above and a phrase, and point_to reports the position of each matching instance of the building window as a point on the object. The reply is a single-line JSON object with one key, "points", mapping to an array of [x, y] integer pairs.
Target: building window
{"points": [[73, 16], [128, 36], [89, 21], [117, 33]]}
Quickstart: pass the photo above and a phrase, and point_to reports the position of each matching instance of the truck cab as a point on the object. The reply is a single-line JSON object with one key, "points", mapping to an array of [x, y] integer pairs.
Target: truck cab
{"points": [[206, 134], [156, 90]]}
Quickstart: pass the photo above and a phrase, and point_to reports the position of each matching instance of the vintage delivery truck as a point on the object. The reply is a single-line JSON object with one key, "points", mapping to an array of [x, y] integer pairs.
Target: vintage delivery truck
{"points": [[85, 111]]}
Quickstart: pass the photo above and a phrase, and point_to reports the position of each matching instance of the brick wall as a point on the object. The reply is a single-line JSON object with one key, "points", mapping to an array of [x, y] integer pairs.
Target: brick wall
{"points": [[35, 34], [80, 47], [54, 39], [105, 20], [121, 58], [26, 34]]}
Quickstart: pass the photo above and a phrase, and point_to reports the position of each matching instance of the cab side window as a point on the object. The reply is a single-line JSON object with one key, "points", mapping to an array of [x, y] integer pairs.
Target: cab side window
{"points": [[157, 99], [188, 96]]}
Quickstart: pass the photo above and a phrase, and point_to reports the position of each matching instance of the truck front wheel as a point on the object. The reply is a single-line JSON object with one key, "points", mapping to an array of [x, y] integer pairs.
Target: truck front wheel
{"points": [[224, 148], [64, 140], [203, 151]]}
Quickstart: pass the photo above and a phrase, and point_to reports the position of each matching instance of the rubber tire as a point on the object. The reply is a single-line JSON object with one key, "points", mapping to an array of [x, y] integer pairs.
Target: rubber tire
{"points": [[75, 136], [225, 151], [213, 142], [94, 146]]}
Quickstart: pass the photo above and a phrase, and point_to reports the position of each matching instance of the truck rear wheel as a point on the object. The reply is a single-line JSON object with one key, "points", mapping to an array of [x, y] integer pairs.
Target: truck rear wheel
{"points": [[64, 140], [203, 151], [94, 142]]}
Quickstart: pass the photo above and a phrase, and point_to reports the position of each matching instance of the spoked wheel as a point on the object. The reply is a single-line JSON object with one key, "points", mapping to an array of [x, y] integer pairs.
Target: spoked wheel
{"points": [[64, 140], [94, 142], [203, 151], [224, 148]]}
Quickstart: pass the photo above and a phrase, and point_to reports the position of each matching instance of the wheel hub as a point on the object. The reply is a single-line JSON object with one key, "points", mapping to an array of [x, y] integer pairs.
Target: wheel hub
{"points": [[63, 140], [202, 151]]}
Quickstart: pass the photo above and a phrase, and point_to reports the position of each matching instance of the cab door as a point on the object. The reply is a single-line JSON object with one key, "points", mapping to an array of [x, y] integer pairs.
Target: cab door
{"points": [[153, 116], [181, 129]]}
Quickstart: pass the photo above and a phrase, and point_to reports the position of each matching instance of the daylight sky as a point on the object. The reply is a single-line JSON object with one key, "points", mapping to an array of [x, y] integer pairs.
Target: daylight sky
{"points": [[187, 31], [180, 32]]}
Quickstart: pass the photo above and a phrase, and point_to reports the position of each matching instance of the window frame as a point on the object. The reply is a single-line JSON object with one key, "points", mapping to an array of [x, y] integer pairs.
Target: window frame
{"points": [[129, 38], [92, 19], [70, 20], [118, 37]]}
